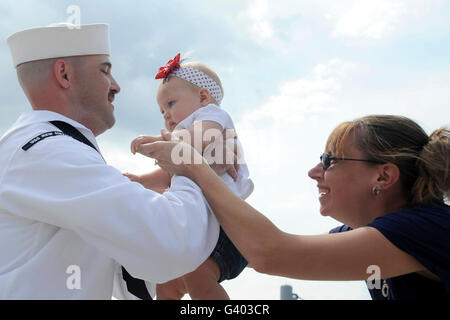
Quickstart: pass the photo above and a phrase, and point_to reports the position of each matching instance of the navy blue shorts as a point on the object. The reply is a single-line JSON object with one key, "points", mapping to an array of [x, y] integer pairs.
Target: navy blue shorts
{"points": [[230, 261]]}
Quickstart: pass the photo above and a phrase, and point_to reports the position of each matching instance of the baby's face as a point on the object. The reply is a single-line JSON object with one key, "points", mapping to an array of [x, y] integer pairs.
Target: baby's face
{"points": [[177, 100]]}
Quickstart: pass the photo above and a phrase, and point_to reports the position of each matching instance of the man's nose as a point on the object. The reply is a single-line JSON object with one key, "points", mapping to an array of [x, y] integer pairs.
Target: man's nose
{"points": [[316, 172], [166, 115], [114, 85]]}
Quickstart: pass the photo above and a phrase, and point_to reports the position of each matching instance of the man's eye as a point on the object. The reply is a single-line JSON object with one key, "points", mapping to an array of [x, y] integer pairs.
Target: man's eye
{"points": [[171, 103]]}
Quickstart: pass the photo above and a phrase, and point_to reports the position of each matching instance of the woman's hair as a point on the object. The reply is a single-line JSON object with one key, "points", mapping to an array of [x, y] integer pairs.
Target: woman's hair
{"points": [[423, 161]]}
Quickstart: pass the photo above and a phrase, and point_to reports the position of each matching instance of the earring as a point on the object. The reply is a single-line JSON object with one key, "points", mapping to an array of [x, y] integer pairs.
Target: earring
{"points": [[377, 189]]}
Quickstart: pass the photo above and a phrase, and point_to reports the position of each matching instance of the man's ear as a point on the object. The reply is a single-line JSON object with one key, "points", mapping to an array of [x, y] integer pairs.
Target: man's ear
{"points": [[61, 73], [388, 175], [205, 97]]}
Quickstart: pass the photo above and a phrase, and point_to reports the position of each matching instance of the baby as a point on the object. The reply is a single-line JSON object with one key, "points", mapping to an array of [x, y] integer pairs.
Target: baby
{"points": [[189, 96]]}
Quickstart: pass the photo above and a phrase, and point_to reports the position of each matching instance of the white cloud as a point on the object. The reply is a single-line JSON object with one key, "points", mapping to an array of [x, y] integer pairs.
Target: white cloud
{"points": [[283, 25], [275, 135], [17, 15], [305, 96], [370, 19], [375, 19], [258, 15]]}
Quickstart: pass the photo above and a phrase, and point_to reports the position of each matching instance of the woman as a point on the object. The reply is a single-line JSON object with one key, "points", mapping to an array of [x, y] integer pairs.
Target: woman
{"points": [[385, 179]]}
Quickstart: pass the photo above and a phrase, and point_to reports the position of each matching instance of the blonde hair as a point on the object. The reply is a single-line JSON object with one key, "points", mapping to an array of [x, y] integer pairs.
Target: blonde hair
{"points": [[205, 69], [423, 161]]}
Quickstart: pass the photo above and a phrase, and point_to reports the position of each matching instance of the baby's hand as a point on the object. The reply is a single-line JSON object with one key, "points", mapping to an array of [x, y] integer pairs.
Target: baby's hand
{"points": [[143, 140]]}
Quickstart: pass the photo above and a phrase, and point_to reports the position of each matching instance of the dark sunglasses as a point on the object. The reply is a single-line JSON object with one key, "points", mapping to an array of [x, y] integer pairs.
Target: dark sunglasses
{"points": [[326, 159]]}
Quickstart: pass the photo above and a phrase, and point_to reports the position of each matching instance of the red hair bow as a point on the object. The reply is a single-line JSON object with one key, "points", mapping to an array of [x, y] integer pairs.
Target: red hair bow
{"points": [[173, 64]]}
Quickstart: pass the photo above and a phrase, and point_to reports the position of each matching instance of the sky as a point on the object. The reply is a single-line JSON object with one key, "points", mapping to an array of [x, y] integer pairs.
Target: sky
{"points": [[292, 70]]}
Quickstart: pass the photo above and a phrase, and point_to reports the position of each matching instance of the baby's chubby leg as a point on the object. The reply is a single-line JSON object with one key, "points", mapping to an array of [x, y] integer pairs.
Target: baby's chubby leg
{"points": [[171, 290], [202, 284]]}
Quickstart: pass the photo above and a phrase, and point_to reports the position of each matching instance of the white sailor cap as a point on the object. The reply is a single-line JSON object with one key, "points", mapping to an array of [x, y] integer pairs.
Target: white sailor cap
{"points": [[59, 40]]}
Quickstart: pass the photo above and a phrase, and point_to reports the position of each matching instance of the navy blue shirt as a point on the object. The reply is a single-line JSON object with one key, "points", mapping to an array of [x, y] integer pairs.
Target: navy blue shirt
{"points": [[424, 233]]}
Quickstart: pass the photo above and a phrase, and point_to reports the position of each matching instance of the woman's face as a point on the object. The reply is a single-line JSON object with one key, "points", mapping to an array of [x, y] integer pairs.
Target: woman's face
{"points": [[345, 188]]}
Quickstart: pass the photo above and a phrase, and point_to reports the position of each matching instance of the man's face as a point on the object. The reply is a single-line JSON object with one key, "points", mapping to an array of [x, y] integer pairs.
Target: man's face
{"points": [[93, 91]]}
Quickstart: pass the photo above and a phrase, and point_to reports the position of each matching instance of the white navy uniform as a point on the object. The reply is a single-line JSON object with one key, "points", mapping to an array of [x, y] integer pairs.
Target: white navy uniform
{"points": [[61, 207]]}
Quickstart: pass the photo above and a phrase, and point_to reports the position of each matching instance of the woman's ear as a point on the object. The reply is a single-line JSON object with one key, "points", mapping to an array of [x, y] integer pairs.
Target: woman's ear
{"points": [[60, 72], [205, 97], [388, 175]]}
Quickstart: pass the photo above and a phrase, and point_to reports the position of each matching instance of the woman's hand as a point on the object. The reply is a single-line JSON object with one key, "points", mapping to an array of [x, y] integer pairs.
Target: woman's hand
{"points": [[177, 157], [174, 157], [229, 162]]}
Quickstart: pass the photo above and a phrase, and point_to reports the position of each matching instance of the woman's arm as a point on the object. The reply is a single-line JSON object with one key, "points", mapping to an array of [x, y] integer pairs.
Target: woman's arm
{"points": [[343, 256]]}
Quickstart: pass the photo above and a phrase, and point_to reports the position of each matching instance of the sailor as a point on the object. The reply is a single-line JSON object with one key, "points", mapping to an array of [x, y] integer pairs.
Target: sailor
{"points": [[72, 227]]}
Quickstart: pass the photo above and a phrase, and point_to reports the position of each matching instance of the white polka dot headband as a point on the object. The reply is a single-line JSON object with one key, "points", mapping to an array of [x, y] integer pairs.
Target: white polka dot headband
{"points": [[197, 77]]}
